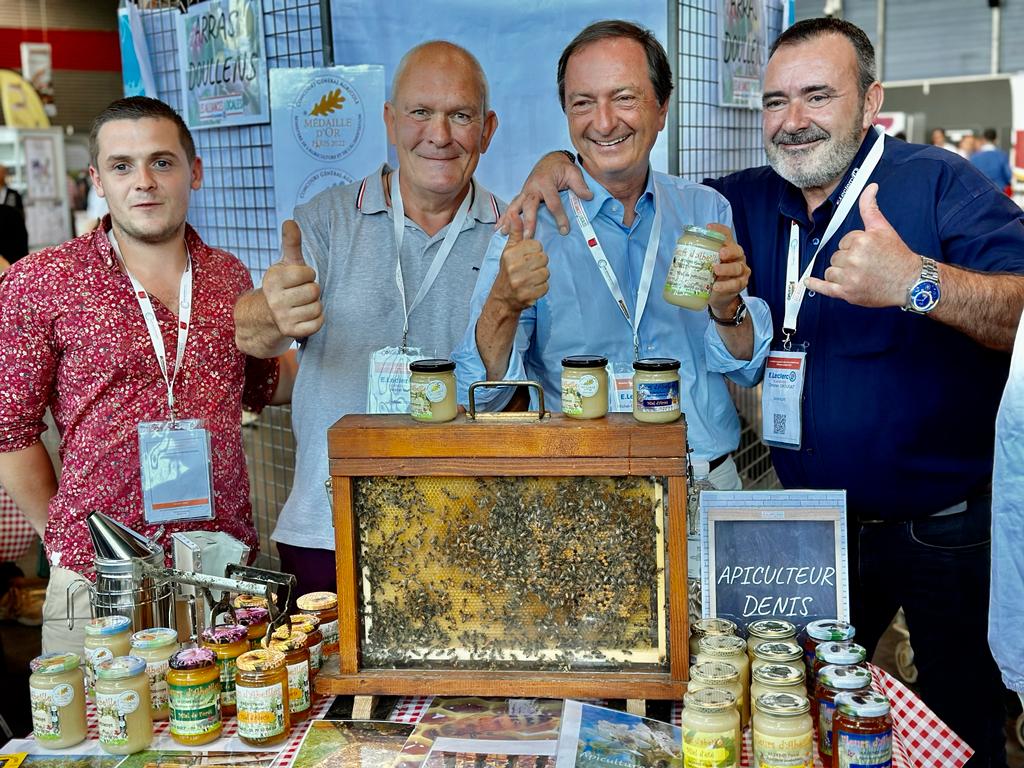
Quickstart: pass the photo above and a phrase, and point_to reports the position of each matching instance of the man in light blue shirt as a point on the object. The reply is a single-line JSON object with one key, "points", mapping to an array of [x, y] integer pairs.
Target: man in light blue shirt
{"points": [[540, 300]]}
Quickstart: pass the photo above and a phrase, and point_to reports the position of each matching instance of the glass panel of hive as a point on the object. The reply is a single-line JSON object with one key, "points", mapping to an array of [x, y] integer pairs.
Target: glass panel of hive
{"points": [[521, 573]]}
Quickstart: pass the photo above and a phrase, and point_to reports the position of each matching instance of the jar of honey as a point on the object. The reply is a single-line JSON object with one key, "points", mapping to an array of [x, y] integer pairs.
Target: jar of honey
{"points": [[656, 390], [833, 680], [323, 605], [691, 274], [782, 732], [193, 686], [123, 705], [717, 674], [155, 647], [310, 625], [862, 730], [776, 678], [255, 620], [585, 386], [768, 629], [228, 642], [732, 650], [711, 729], [261, 688], [296, 657], [432, 390], [708, 626], [824, 631], [250, 601], [105, 638], [779, 652], [56, 692]]}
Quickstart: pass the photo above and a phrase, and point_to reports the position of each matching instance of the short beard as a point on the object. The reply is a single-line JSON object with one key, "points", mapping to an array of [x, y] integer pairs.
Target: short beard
{"points": [[817, 167], [149, 238]]}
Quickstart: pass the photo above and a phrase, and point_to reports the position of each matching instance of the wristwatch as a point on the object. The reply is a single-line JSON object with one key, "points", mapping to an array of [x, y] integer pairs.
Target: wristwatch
{"points": [[923, 296], [741, 312]]}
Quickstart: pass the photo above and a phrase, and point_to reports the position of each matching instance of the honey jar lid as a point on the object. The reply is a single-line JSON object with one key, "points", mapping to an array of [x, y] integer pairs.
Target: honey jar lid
{"points": [[54, 663], [714, 672], [107, 625], [862, 704], [830, 629], [714, 625], [260, 660], [249, 617], [288, 642], [308, 619], [782, 704], [778, 650], [710, 700], [841, 653], [157, 637], [656, 364], [317, 601], [192, 658], [722, 645], [778, 674], [584, 361], [844, 677], [704, 232], [225, 634], [249, 601], [120, 667], [430, 365], [771, 629]]}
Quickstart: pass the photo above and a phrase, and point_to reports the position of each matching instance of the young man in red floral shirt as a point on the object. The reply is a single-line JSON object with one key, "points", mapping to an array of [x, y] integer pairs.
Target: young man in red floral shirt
{"points": [[130, 324]]}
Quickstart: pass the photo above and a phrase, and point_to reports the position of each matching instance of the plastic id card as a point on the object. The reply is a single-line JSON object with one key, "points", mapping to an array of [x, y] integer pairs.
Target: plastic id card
{"points": [[177, 476], [387, 386], [782, 398], [620, 386]]}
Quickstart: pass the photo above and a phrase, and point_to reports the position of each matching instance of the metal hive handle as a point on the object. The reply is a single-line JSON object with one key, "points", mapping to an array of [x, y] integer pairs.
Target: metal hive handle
{"points": [[538, 415]]}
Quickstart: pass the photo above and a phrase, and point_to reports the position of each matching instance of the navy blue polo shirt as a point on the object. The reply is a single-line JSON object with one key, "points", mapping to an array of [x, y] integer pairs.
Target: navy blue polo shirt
{"points": [[898, 408]]}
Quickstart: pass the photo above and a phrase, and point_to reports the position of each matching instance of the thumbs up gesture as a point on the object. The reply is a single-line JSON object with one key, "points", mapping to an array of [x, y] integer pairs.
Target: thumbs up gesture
{"points": [[872, 267], [523, 273], [291, 290]]}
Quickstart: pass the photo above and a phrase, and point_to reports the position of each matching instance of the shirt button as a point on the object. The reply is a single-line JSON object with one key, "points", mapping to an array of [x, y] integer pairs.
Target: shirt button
{"points": [[810, 451], [815, 241]]}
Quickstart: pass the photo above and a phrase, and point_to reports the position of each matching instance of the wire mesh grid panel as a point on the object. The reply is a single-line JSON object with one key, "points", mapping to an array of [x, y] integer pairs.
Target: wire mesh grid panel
{"points": [[714, 141], [234, 210]]}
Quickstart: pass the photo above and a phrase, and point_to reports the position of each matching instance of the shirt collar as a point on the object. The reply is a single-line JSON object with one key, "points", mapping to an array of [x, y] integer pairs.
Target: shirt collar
{"points": [[372, 200], [105, 251], [794, 207], [601, 195]]}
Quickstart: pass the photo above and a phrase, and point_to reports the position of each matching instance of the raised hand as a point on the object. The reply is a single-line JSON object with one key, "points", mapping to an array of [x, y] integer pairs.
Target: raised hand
{"points": [[291, 290]]}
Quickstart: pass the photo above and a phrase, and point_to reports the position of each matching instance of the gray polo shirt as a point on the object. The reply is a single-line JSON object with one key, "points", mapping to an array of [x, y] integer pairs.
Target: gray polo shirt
{"points": [[348, 237]]}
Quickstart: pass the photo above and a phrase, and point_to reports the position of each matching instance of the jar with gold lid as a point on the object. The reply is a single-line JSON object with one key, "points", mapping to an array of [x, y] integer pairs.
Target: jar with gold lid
{"points": [[732, 650], [768, 629], [782, 732], [691, 274], [156, 646], [310, 625], [585, 386], [296, 658], [250, 601], [432, 390], [105, 638], [255, 620], [656, 390], [776, 678], [261, 688], [711, 729], [711, 625], [193, 687], [323, 605], [123, 705], [779, 652], [717, 674], [56, 690], [228, 642]]}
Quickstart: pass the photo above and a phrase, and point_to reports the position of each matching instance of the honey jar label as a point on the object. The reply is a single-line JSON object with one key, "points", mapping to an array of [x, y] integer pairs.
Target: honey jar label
{"points": [[826, 709], [772, 751], [298, 687], [112, 711], [195, 709], [46, 713], [710, 749], [863, 750], [691, 271], [156, 671], [657, 397], [260, 711], [227, 681]]}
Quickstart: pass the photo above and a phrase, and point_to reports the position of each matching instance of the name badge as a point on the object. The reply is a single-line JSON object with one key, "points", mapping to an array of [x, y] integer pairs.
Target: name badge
{"points": [[387, 387], [781, 399], [620, 386], [176, 472]]}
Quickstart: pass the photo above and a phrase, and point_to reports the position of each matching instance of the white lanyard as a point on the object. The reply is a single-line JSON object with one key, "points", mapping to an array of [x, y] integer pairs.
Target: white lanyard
{"points": [[155, 335], [650, 257], [795, 289], [398, 212]]}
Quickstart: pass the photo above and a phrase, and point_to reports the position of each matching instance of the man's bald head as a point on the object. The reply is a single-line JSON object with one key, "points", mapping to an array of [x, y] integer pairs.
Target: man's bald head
{"points": [[445, 54]]}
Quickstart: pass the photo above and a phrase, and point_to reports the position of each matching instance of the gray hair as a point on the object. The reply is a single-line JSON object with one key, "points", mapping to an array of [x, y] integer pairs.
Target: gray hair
{"points": [[810, 29]]}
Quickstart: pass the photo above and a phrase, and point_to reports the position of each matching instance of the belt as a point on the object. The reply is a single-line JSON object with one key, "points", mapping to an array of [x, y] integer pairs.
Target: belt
{"points": [[716, 463], [956, 509]]}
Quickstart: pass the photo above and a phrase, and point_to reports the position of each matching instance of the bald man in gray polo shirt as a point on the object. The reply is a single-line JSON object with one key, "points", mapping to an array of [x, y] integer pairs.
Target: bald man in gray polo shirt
{"points": [[352, 288]]}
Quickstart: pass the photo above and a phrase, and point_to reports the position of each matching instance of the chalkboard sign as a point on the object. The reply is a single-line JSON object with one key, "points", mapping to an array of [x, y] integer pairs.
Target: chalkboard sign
{"points": [[774, 554]]}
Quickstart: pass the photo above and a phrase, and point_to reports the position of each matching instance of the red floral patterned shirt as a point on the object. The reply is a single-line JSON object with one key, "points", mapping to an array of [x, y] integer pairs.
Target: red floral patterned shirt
{"points": [[72, 338]]}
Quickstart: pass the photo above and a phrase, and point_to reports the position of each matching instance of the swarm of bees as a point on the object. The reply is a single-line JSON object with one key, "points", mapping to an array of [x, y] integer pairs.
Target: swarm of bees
{"points": [[553, 573]]}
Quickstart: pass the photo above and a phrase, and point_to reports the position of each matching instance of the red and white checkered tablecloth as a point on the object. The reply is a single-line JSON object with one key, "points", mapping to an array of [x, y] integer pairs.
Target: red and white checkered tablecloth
{"points": [[919, 738], [410, 709], [16, 532]]}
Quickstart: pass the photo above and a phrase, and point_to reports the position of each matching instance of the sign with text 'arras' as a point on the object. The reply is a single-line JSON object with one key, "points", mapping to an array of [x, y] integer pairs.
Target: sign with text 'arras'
{"points": [[777, 554]]}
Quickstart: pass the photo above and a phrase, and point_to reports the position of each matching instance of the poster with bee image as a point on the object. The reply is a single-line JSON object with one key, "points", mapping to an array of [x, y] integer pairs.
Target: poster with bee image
{"points": [[599, 737], [327, 127]]}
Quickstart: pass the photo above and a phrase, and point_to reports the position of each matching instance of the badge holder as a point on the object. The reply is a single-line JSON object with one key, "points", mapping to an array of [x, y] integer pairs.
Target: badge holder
{"points": [[176, 472], [387, 385], [782, 394], [620, 389]]}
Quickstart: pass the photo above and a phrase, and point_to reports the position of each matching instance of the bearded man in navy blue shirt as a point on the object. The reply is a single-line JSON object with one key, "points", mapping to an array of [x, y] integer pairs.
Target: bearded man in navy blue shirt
{"points": [[904, 321]]}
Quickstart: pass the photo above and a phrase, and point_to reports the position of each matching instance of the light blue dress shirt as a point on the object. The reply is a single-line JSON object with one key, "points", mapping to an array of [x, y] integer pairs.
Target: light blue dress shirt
{"points": [[579, 316], [1006, 601]]}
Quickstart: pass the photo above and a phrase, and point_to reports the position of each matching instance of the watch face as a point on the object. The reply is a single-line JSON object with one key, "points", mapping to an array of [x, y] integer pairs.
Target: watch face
{"points": [[924, 295]]}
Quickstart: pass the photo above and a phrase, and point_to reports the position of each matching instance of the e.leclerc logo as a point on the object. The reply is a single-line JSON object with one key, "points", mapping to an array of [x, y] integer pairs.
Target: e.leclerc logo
{"points": [[328, 119]]}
